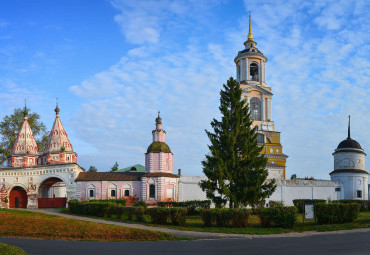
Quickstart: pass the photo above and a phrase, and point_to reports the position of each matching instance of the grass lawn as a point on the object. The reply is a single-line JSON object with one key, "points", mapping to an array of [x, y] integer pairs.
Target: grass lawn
{"points": [[6, 249], [195, 223], [19, 223]]}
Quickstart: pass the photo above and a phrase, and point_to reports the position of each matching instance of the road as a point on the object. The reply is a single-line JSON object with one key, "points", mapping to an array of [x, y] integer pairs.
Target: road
{"points": [[338, 244]]}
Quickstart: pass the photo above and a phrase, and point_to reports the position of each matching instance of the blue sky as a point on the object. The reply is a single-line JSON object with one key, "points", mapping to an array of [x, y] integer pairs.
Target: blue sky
{"points": [[114, 64]]}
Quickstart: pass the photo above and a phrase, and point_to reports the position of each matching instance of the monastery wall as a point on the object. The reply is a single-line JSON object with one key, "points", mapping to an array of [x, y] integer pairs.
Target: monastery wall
{"points": [[286, 190]]}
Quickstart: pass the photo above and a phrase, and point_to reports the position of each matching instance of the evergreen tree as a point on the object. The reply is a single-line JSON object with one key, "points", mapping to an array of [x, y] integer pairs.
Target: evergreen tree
{"points": [[114, 167], [94, 169], [10, 127], [236, 171]]}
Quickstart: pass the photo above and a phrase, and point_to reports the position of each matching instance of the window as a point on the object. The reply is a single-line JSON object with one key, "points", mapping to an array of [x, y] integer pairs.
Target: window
{"points": [[359, 193], [260, 138], [127, 193], [238, 72], [152, 190], [337, 189], [255, 108], [253, 72], [113, 193], [91, 193]]}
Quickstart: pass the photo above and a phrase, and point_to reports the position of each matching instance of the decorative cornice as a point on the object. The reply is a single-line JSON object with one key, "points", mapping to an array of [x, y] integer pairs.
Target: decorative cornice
{"points": [[358, 171]]}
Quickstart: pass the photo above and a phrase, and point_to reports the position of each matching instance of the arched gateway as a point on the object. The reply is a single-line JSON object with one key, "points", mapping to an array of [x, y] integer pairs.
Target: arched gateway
{"points": [[18, 198], [52, 193]]}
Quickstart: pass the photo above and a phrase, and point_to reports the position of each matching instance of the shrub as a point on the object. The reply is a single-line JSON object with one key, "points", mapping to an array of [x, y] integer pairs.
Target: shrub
{"points": [[207, 217], [138, 212], [119, 210], [280, 216], [158, 215], [110, 210], [140, 203], [178, 216], [224, 217], [336, 213], [240, 218], [364, 204], [273, 203], [299, 203], [192, 205], [116, 201]]}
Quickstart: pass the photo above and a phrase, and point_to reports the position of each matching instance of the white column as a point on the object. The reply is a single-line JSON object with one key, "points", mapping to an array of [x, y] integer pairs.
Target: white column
{"points": [[263, 107], [269, 109], [260, 71], [264, 71], [247, 68], [242, 68], [248, 100]]}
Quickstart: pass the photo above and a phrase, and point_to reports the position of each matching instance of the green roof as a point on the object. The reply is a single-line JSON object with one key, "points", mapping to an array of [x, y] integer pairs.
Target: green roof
{"points": [[158, 147], [135, 168]]}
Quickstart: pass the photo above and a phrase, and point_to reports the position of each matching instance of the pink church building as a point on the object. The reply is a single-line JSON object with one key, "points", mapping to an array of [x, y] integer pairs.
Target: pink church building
{"points": [[157, 183]]}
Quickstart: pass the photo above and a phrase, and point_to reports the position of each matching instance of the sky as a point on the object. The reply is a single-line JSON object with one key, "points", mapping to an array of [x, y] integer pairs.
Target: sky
{"points": [[114, 64]]}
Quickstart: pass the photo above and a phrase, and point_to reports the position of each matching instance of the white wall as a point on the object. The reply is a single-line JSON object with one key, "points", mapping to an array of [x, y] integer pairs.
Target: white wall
{"points": [[286, 191]]}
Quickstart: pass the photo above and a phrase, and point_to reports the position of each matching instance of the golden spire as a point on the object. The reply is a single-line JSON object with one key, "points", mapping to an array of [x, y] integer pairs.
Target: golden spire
{"points": [[250, 35]]}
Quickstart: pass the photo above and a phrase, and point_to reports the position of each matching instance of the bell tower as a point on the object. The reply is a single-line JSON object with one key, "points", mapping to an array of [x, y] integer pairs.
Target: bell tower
{"points": [[250, 73]]}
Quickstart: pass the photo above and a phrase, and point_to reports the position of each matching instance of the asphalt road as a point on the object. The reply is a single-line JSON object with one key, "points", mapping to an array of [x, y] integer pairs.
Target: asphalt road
{"points": [[349, 243]]}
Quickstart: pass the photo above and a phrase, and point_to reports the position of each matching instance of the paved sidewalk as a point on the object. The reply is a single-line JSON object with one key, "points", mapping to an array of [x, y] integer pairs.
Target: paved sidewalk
{"points": [[194, 234]]}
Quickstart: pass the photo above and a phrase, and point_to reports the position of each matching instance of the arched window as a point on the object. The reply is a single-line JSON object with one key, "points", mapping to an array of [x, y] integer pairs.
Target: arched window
{"points": [[260, 138], [255, 108], [152, 191], [253, 72]]}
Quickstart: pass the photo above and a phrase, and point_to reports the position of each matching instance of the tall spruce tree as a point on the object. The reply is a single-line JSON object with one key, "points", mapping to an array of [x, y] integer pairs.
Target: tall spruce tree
{"points": [[236, 171]]}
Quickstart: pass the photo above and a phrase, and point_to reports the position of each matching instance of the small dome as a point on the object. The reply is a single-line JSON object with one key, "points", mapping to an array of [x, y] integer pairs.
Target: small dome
{"points": [[349, 143], [158, 147]]}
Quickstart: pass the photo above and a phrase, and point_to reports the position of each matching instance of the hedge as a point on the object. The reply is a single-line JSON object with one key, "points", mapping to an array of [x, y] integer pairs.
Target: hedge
{"points": [[237, 218], [138, 212], [299, 203], [99, 209], [364, 204], [279, 216], [337, 213], [191, 206], [117, 201]]}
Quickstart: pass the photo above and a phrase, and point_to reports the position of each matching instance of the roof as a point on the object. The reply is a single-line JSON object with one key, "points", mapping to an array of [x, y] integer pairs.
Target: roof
{"points": [[349, 171], [25, 142], [158, 147], [135, 168], [349, 143], [58, 139], [109, 176], [35, 166], [161, 175]]}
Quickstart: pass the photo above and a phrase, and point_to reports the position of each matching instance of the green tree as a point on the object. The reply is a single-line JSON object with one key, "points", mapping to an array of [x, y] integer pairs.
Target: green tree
{"points": [[114, 167], [10, 127], [293, 177], [92, 169], [235, 169]]}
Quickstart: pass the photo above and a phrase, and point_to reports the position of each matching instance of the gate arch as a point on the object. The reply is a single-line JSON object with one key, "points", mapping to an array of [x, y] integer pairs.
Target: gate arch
{"points": [[52, 192], [18, 197]]}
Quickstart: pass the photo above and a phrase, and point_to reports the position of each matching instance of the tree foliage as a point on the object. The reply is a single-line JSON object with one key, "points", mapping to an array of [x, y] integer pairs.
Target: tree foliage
{"points": [[114, 167], [92, 169], [10, 127], [235, 169]]}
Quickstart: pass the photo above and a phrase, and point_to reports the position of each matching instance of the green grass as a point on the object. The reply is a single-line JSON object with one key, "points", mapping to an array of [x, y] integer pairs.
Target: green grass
{"points": [[6, 249], [194, 223]]}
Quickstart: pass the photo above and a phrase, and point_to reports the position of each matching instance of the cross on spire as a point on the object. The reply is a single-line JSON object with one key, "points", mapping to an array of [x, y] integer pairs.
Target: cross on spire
{"points": [[250, 35], [349, 127]]}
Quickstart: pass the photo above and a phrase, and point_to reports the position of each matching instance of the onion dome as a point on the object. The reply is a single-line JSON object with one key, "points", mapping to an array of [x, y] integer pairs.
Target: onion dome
{"points": [[58, 138], [156, 147], [158, 120], [349, 143]]}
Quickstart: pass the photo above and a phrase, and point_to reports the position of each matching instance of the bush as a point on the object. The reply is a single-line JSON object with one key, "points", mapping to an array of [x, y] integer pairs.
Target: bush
{"points": [[178, 216], [364, 204], [158, 215], [116, 201], [280, 216], [99, 209], [337, 213], [120, 209], [140, 203], [224, 217], [299, 203], [207, 217], [191, 206], [138, 212], [273, 203]]}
